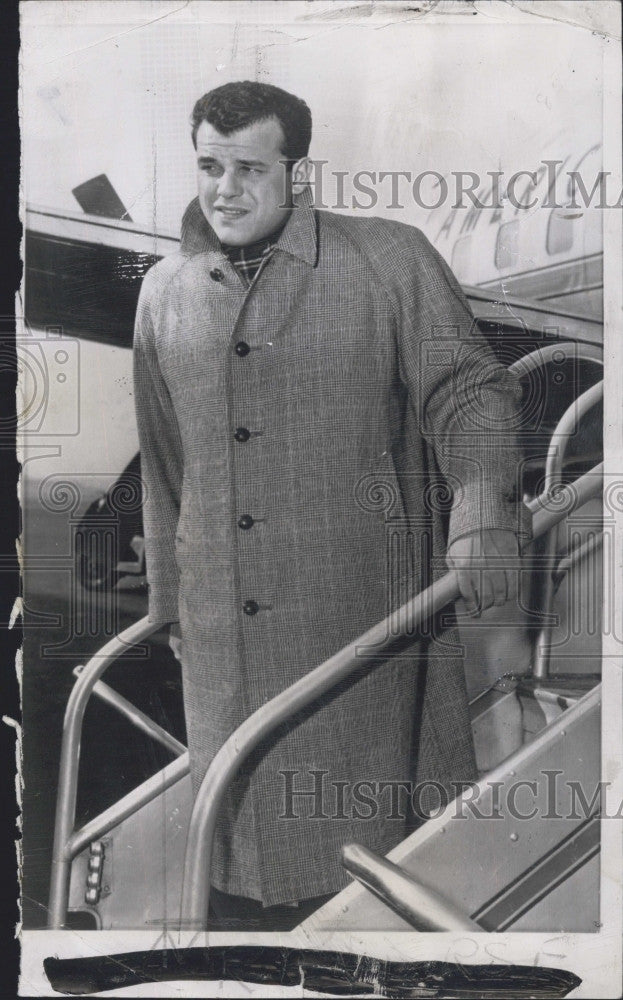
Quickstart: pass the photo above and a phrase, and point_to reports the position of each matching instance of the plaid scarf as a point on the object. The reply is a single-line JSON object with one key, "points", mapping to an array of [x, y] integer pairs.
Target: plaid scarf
{"points": [[250, 260]]}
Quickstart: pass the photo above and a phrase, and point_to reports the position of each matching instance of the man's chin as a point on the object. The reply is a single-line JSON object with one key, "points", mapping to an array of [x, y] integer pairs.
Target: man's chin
{"points": [[233, 239], [235, 232]]}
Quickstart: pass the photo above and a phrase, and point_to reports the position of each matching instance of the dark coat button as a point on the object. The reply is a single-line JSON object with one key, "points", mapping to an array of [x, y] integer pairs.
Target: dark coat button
{"points": [[242, 349], [250, 607], [242, 434], [216, 274], [245, 522]]}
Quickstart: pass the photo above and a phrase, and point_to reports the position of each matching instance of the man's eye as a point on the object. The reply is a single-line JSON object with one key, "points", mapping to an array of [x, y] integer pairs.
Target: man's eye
{"points": [[210, 168], [249, 170]]}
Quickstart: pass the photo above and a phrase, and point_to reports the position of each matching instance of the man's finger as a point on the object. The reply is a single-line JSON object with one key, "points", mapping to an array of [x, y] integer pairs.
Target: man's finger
{"points": [[486, 590], [468, 591], [497, 583], [506, 589], [512, 584]]}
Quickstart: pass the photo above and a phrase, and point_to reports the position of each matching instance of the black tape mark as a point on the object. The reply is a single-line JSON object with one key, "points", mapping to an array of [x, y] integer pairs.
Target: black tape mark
{"points": [[332, 972]]}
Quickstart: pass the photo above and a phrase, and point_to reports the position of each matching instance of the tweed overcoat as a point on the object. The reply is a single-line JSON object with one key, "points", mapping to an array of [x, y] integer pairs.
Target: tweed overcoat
{"points": [[364, 383]]}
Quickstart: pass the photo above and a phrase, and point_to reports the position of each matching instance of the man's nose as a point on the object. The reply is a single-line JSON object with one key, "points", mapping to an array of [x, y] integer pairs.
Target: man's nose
{"points": [[229, 185]]}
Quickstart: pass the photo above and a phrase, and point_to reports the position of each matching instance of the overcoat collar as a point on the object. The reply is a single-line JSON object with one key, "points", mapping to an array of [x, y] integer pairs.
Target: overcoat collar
{"points": [[298, 238]]}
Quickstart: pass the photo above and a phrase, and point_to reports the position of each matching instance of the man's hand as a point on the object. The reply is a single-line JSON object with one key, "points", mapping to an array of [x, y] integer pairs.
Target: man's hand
{"points": [[486, 564]]}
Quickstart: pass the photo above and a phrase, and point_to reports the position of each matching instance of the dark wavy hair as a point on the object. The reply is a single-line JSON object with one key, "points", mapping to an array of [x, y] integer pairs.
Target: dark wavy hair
{"points": [[235, 106]]}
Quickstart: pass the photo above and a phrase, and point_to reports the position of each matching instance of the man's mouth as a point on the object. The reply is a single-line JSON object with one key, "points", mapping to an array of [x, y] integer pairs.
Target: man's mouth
{"points": [[231, 213]]}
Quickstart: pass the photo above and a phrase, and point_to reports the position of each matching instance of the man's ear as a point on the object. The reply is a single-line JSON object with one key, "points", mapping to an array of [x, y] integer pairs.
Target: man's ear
{"points": [[301, 173]]}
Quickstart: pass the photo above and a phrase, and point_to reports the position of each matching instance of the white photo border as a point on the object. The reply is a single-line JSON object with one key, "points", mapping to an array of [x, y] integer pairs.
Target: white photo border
{"points": [[596, 957]]}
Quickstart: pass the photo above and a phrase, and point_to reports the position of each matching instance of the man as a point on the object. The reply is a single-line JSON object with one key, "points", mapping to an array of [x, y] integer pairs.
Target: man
{"points": [[294, 370]]}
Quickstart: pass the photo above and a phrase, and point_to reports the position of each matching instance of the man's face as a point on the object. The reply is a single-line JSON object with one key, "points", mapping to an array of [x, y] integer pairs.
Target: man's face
{"points": [[241, 181]]}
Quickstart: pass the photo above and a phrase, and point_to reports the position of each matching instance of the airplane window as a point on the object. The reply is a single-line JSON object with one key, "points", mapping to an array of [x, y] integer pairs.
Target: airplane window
{"points": [[559, 233], [507, 245]]}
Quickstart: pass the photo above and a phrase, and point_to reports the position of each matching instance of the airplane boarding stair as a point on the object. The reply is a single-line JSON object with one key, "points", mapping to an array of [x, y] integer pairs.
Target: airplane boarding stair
{"points": [[514, 852]]}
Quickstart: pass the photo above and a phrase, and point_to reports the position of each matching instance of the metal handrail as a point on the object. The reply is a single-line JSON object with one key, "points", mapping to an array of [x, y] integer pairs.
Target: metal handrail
{"points": [[259, 725], [129, 804], [420, 906], [70, 757], [140, 720], [577, 555], [564, 429], [547, 354], [69, 842], [553, 474], [553, 469]]}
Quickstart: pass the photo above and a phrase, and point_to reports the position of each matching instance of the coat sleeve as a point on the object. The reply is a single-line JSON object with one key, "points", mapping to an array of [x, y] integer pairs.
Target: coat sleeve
{"points": [[161, 460], [467, 402]]}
